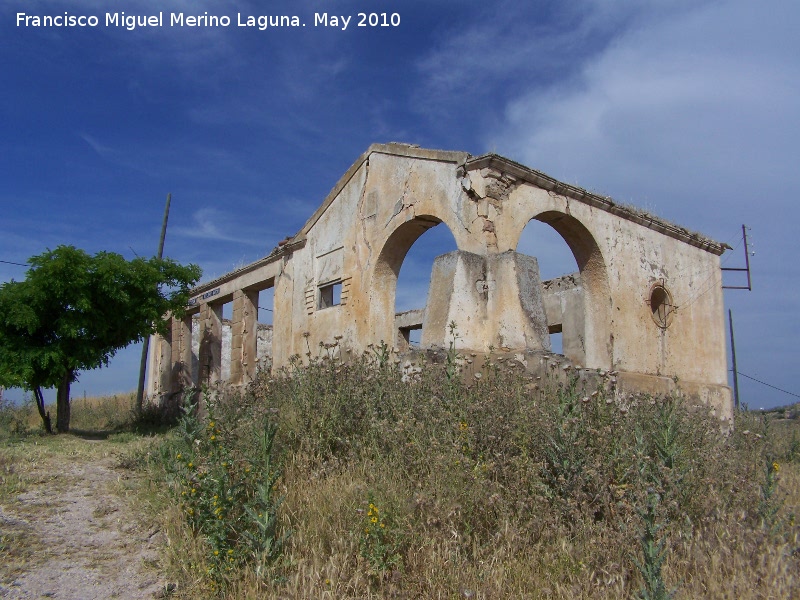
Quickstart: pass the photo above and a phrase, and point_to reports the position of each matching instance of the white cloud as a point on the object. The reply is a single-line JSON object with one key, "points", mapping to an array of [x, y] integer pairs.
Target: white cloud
{"points": [[214, 225], [701, 101], [693, 117]]}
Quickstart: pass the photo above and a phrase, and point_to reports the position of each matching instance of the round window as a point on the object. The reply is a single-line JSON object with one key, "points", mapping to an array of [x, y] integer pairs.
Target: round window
{"points": [[661, 305]]}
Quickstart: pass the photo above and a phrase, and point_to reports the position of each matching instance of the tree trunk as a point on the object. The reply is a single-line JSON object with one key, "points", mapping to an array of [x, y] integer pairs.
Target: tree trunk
{"points": [[62, 403], [37, 393]]}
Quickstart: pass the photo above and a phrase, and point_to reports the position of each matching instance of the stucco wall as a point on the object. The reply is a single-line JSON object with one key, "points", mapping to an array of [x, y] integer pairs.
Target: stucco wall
{"points": [[358, 238]]}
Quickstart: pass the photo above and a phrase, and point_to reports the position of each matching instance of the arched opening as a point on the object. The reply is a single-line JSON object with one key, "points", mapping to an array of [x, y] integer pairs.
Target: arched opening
{"points": [[576, 305], [402, 278], [556, 264], [413, 282]]}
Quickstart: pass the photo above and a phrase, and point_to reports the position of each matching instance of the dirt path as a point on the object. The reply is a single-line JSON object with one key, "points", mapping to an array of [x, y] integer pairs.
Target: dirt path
{"points": [[70, 535]]}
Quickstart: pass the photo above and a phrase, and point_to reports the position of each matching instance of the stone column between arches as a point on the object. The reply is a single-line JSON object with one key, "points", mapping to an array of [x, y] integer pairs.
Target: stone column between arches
{"points": [[494, 300]]}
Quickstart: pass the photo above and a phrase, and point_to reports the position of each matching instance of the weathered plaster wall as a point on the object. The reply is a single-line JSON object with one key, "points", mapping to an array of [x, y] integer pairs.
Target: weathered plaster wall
{"points": [[263, 346], [563, 305], [358, 238], [158, 375], [495, 301]]}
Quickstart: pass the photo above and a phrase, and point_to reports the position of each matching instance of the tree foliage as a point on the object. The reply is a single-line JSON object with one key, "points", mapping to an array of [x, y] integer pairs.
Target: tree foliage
{"points": [[74, 311]]}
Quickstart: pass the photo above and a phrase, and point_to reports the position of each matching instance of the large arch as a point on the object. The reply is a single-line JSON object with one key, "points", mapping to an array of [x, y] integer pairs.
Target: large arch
{"points": [[383, 283], [562, 294], [597, 351]]}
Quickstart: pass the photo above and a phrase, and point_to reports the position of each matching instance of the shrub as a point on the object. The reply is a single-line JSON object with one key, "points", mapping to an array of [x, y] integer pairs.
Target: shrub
{"points": [[491, 487], [226, 494]]}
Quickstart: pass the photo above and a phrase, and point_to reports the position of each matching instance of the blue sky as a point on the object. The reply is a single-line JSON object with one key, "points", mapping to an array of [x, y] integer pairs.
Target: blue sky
{"points": [[688, 109]]}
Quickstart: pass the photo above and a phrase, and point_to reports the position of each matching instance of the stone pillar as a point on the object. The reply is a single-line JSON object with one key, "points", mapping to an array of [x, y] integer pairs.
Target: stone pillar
{"points": [[153, 367], [573, 327], [210, 354], [181, 377], [243, 336], [515, 304], [456, 294], [163, 354], [564, 306], [494, 300]]}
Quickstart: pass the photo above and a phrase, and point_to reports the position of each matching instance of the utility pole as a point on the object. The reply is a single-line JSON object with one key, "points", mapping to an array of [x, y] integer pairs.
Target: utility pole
{"points": [[733, 356], [748, 287], [746, 269], [146, 343]]}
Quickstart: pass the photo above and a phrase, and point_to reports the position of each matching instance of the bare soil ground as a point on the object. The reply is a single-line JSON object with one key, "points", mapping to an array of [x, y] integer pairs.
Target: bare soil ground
{"points": [[67, 527]]}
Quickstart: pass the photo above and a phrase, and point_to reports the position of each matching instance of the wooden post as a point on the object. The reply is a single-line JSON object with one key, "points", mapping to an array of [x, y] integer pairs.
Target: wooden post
{"points": [[146, 343], [733, 356]]}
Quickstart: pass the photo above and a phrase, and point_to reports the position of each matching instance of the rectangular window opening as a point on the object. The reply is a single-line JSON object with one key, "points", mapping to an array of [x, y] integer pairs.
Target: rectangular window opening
{"points": [[330, 294], [412, 336], [556, 343]]}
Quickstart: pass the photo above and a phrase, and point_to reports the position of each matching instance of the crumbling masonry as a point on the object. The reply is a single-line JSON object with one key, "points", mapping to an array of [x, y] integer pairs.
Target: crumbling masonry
{"points": [[646, 303]]}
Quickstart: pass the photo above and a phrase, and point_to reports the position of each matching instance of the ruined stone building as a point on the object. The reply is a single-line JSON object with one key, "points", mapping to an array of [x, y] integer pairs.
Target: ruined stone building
{"points": [[646, 302]]}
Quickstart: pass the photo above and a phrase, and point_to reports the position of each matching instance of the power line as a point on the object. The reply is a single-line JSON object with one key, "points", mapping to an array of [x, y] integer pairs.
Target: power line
{"points": [[767, 384], [714, 275], [8, 262]]}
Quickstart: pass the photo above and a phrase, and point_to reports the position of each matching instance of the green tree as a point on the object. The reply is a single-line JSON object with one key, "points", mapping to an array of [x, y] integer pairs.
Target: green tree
{"points": [[74, 311]]}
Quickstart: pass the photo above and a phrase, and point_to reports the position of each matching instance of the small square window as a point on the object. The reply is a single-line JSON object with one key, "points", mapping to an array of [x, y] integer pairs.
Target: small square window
{"points": [[330, 294]]}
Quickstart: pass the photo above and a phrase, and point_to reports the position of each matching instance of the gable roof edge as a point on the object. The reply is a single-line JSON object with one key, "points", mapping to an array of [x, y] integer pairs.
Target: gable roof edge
{"points": [[636, 215], [393, 149]]}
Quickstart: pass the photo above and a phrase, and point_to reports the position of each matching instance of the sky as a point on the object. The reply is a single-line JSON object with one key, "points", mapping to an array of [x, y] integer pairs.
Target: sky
{"points": [[686, 108]]}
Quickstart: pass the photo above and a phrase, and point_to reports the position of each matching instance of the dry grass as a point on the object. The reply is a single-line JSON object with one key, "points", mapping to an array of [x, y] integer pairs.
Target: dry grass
{"points": [[500, 490], [492, 490], [96, 414]]}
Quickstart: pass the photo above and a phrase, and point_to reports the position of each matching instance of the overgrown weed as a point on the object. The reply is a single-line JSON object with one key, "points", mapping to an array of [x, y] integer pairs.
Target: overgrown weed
{"points": [[496, 487]]}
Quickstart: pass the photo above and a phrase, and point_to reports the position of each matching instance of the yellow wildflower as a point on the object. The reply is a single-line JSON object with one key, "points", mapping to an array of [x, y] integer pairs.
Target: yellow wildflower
{"points": [[776, 467]]}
